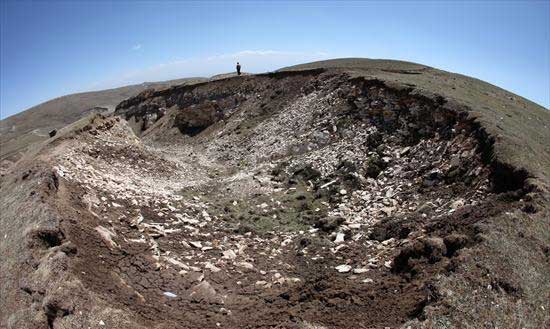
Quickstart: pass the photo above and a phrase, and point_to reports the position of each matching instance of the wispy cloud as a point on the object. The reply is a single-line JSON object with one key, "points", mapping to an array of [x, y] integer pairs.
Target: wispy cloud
{"points": [[253, 61], [136, 47]]}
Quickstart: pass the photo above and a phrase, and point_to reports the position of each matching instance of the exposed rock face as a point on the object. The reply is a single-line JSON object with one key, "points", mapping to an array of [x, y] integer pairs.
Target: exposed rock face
{"points": [[197, 118], [288, 199]]}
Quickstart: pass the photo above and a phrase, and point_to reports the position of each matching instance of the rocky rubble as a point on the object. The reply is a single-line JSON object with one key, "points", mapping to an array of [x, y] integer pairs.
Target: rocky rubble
{"points": [[305, 193]]}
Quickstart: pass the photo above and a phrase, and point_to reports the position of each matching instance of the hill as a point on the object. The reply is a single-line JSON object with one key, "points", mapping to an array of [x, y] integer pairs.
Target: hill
{"points": [[349, 193], [19, 131]]}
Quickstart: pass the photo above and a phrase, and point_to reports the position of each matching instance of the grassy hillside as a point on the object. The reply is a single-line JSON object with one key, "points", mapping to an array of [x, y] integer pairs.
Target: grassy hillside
{"points": [[19, 131]]}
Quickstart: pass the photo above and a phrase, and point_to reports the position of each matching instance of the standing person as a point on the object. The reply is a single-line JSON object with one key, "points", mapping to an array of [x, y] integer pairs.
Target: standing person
{"points": [[238, 68]]}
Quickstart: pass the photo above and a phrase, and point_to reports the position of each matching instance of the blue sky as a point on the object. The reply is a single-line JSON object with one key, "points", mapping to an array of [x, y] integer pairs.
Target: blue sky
{"points": [[49, 49]]}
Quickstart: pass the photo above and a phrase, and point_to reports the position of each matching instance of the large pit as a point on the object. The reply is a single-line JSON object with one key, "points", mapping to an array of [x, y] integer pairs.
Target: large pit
{"points": [[283, 200]]}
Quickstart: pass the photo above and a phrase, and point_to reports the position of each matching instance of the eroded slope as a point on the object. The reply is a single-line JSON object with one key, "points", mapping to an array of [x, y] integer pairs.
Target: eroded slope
{"points": [[286, 200]]}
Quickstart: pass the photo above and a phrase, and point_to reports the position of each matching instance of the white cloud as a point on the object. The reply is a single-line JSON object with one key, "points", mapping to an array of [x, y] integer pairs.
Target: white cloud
{"points": [[136, 47], [252, 61]]}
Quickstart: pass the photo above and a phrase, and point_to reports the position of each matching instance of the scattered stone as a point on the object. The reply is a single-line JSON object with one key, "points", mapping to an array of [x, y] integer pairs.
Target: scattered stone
{"points": [[136, 220], [107, 236], [343, 268], [193, 276], [229, 254], [169, 294], [426, 207], [286, 242], [388, 210], [388, 242], [360, 270], [339, 238], [212, 267], [177, 263], [457, 204], [204, 292], [246, 265], [196, 244], [328, 184]]}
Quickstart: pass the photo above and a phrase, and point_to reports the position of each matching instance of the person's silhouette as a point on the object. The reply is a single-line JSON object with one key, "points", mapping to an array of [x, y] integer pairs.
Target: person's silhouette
{"points": [[238, 68]]}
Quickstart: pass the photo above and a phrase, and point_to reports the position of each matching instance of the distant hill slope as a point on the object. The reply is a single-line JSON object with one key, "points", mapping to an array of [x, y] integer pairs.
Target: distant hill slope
{"points": [[17, 132], [359, 63]]}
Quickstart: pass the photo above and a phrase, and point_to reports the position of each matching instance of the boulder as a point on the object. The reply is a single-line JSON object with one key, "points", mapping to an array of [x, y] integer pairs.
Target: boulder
{"points": [[204, 292]]}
